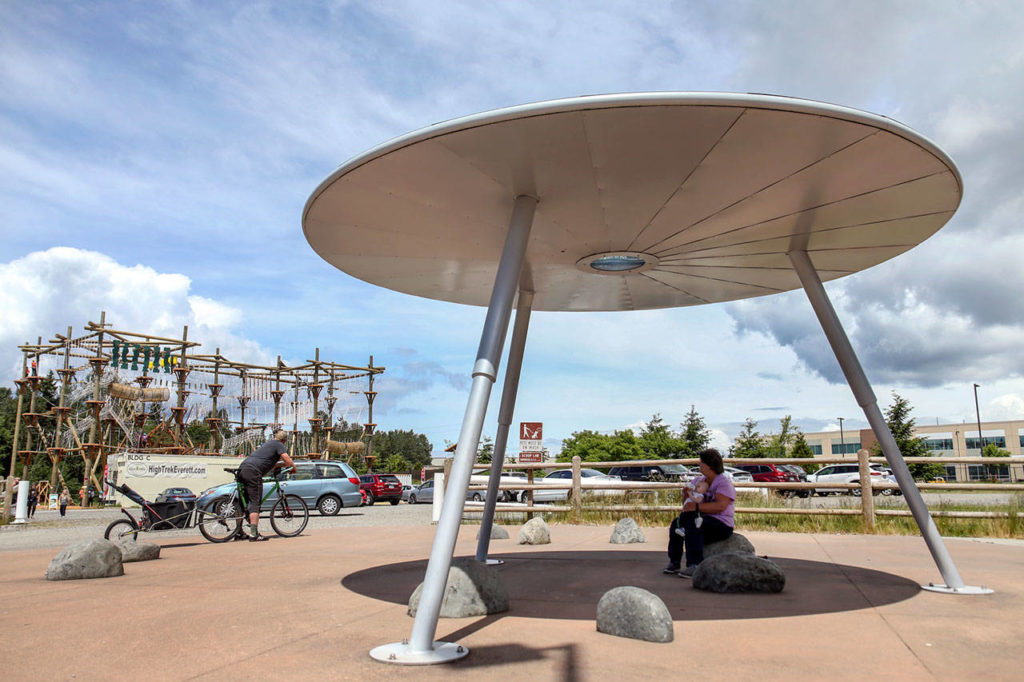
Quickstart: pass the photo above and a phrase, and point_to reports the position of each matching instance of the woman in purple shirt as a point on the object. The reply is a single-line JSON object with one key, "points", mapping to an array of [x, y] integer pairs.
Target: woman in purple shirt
{"points": [[705, 522]]}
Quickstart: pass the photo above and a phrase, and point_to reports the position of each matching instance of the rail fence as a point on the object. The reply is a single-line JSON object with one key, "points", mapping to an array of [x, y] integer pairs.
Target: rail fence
{"points": [[866, 488]]}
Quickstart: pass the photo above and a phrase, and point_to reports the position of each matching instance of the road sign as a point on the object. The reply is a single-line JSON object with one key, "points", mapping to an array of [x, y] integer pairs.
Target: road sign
{"points": [[531, 431], [531, 437]]}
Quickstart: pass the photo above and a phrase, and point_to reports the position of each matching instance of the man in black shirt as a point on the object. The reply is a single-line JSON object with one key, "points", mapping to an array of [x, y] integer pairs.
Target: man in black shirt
{"points": [[252, 470]]}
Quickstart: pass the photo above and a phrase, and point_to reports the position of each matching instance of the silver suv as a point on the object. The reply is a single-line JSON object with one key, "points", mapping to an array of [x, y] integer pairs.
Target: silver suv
{"points": [[328, 486]]}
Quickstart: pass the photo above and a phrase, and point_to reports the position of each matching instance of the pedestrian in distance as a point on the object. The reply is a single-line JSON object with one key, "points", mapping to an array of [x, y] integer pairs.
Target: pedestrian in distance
{"points": [[63, 501]]}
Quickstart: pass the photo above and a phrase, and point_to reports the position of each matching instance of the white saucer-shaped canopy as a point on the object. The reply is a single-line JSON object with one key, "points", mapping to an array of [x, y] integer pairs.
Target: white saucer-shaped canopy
{"points": [[702, 194]]}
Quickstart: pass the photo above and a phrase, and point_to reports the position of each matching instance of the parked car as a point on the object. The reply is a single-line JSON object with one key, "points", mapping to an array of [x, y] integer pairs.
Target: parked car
{"points": [[590, 481], [892, 479], [738, 475], [655, 472], [507, 478], [176, 495], [844, 473], [406, 489], [774, 473], [423, 493], [328, 486], [382, 487]]}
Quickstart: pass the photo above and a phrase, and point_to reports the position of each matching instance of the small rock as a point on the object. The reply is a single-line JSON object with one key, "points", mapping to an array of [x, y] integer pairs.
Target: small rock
{"points": [[735, 543], [634, 613], [627, 532], [739, 572], [472, 589], [93, 559], [534, 532], [497, 533], [138, 551]]}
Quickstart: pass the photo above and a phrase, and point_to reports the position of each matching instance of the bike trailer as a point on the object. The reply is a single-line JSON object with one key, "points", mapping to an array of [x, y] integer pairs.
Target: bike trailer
{"points": [[129, 493], [167, 515]]}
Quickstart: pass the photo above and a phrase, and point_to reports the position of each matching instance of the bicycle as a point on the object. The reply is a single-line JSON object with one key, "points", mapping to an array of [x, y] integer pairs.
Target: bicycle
{"points": [[221, 519]]}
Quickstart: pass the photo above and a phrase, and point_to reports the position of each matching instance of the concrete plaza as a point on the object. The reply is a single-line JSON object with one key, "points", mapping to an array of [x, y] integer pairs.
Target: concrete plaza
{"points": [[312, 607]]}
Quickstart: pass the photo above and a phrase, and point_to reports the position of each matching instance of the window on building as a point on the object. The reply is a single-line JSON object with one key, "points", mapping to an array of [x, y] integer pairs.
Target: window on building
{"points": [[998, 441], [845, 448], [985, 472], [939, 443], [816, 449]]}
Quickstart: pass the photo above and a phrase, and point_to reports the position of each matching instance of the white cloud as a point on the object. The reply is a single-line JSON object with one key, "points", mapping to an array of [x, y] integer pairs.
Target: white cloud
{"points": [[46, 291]]}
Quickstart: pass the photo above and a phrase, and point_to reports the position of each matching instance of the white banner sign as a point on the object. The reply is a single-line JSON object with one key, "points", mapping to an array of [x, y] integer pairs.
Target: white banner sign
{"points": [[159, 470]]}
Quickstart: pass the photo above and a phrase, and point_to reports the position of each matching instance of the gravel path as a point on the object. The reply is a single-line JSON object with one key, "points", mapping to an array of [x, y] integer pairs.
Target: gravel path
{"points": [[48, 529]]}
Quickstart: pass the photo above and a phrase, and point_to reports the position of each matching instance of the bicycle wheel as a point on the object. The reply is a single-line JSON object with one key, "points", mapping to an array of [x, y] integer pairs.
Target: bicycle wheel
{"points": [[121, 530], [289, 516], [220, 520]]}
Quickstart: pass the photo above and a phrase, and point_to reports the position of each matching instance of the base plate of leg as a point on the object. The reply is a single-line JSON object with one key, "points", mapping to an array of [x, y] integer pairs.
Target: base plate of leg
{"points": [[966, 589], [401, 653]]}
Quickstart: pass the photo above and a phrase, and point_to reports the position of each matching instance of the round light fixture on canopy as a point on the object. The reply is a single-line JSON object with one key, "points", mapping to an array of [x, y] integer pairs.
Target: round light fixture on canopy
{"points": [[617, 263]]}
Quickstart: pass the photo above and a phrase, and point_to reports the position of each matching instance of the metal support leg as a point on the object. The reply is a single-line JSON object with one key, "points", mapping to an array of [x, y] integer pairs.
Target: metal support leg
{"points": [[508, 406], [421, 648], [858, 382]]}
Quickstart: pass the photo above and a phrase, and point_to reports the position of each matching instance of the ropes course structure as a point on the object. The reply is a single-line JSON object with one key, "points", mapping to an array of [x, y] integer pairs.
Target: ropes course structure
{"points": [[145, 393]]}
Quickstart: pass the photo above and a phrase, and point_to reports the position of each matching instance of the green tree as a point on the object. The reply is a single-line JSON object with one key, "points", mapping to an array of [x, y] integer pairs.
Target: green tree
{"points": [[993, 450], [695, 435], [658, 441], [394, 463], [414, 447], [750, 443], [778, 444], [485, 453], [8, 408], [592, 446], [901, 425]]}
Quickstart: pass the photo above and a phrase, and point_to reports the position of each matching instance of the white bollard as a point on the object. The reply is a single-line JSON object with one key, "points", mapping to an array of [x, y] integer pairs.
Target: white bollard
{"points": [[21, 514], [435, 509]]}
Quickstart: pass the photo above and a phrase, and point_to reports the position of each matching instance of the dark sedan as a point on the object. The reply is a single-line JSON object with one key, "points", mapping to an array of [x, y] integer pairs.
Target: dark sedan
{"points": [[176, 495]]}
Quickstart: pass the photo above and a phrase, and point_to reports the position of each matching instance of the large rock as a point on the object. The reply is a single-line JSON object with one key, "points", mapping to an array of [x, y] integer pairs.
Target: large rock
{"points": [[627, 532], [634, 613], [93, 559], [734, 544], [738, 572], [473, 589], [497, 533], [138, 551], [534, 532]]}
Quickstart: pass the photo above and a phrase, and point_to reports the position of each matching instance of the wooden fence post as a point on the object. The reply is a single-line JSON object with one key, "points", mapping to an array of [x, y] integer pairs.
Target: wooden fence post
{"points": [[528, 494], [867, 496], [577, 496]]}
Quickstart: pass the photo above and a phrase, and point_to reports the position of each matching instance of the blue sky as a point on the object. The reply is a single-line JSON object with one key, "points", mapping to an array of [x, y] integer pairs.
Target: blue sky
{"points": [[155, 159]]}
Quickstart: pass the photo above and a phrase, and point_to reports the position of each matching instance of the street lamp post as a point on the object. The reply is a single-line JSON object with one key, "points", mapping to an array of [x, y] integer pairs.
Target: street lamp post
{"points": [[977, 413], [842, 437]]}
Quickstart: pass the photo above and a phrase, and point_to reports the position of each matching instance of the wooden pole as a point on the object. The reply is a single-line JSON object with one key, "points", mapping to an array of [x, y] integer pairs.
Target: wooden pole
{"points": [[867, 496], [95, 429]]}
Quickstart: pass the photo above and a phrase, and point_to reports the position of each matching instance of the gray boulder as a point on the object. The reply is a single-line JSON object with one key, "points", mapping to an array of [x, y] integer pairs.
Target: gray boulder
{"points": [[497, 533], [734, 544], [634, 613], [627, 532], [534, 532], [736, 572], [473, 589], [138, 551], [93, 559]]}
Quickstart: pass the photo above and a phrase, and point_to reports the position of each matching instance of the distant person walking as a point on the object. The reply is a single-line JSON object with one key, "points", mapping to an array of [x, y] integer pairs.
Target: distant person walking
{"points": [[63, 501], [33, 501]]}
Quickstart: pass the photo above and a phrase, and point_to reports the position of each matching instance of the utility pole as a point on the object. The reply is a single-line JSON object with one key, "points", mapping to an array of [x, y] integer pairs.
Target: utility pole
{"points": [[842, 437]]}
